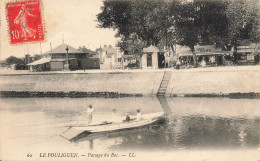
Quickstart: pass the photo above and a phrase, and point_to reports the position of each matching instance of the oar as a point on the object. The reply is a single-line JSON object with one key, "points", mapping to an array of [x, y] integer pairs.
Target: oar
{"points": [[72, 126]]}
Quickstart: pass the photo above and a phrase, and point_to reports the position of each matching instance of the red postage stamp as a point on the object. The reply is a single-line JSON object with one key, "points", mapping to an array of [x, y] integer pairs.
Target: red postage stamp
{"points": [[25, 21]]}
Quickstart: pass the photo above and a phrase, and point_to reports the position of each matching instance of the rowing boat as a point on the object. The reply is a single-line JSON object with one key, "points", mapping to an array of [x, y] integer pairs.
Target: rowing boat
{"points": [[147, 119]]}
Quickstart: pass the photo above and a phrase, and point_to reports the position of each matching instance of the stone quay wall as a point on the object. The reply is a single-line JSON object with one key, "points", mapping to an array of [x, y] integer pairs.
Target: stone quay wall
{"points": [[188, 83]]}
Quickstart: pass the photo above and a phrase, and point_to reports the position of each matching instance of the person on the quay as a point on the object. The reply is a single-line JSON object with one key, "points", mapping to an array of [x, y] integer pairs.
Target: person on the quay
{"points": [[203, 63], [90, 111], [178, 64]]}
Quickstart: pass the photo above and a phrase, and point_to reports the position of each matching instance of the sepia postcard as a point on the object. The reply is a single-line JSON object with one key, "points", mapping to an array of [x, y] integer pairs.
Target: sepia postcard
{"points": [[147, 80]]}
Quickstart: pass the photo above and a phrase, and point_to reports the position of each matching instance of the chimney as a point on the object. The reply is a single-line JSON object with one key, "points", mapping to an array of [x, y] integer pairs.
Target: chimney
{"points": [[27, 59]]}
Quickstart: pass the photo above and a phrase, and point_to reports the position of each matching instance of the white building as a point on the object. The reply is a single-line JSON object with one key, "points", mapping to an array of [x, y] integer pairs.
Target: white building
{"points": [[110, 58], [150, 58]]}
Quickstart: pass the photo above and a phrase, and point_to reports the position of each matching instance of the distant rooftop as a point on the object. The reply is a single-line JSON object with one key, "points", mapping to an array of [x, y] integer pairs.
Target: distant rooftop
{"points": [[108, 49], [85, 50], [62, 49], [111, 51]]}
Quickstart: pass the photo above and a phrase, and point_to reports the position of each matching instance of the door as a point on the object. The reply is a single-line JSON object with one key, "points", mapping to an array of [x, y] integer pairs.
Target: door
{"points": [[149, 60], [161, 60], [80, 64], [57, 65]]}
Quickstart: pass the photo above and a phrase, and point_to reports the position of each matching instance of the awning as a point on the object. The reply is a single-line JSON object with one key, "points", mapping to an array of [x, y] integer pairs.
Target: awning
{"points": [[207, 53], [59, 60], [40, 61], [245, 50], [215, 53]]}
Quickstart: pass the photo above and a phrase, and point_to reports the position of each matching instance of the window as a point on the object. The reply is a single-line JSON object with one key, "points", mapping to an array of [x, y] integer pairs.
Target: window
{"points": [[250, 57], [243, 56]]}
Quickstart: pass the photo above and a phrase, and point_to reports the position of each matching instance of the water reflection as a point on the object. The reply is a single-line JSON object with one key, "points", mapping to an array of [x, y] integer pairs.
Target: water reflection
{"points": [[184, 132], [190, 123]]}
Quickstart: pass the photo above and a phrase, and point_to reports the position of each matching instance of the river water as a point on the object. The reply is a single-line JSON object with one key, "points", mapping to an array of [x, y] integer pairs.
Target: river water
{"points": [[33, 125]]}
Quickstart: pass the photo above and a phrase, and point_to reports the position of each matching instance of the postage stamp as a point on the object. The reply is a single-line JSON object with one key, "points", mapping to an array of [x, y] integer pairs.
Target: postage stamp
{"points": [[25, 21]]}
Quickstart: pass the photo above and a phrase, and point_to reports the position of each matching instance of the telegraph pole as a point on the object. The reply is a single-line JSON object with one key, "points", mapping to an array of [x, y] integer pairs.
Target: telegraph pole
{"points": [[41, 48]]}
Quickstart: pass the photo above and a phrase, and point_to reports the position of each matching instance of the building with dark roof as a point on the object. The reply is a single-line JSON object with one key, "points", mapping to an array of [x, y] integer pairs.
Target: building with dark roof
{"points": [[247, 54], [210, 54], [77, 59]]}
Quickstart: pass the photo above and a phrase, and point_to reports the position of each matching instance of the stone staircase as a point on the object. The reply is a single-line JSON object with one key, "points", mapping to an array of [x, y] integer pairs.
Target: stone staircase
{"points": [[164, 83]]}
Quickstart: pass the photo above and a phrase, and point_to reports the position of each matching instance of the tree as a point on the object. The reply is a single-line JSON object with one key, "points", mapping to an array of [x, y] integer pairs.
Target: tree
{"points": [[243, 21], [13, 60], [188, 23], [37, 57], [201, 22], [137, 18], [161, 20], [116, 15], [132, 45]]}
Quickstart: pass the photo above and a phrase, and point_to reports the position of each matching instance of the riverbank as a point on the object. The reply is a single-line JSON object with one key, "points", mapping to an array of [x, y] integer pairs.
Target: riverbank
{"points": [[75, 94], [232, 82], [255, 68]]}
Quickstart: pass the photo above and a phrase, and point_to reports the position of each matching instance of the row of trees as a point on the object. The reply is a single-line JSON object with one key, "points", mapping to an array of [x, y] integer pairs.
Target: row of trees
{"points": [[14, 60], [164, 23]]}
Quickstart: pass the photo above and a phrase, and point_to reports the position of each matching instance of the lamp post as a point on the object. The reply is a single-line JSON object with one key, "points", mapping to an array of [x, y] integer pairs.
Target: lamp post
{"points": [[66, 65]]}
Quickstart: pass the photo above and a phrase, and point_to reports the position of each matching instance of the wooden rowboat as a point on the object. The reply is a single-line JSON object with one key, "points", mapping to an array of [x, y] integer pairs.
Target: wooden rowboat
{"points": [[147, 119]]}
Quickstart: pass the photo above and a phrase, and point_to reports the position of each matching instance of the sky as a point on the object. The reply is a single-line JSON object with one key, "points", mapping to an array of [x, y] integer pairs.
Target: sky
{"points": [[74, 19]]}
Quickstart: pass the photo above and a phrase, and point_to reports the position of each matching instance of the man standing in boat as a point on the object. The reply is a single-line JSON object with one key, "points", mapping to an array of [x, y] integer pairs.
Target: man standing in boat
{"points": [[90, 111]]}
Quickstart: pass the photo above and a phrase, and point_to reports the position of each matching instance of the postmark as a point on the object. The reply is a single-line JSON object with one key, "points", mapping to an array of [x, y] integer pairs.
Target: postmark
{"points": [[25, 21]]}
